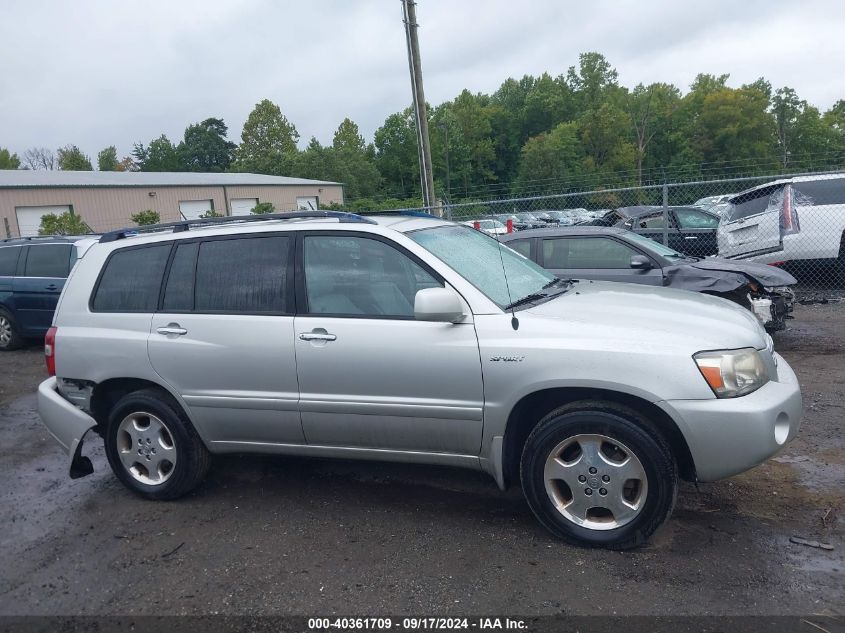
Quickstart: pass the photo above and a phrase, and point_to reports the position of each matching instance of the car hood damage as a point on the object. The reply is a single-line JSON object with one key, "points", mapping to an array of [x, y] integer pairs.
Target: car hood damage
{"points": [[722, 275]]}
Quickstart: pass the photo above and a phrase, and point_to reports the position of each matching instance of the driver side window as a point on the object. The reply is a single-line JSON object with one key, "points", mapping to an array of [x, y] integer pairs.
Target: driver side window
{"points": [[359, 276]]}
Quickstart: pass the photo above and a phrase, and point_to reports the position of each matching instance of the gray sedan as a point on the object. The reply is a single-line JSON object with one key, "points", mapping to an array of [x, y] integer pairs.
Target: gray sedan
{"points": [[614, 254]]}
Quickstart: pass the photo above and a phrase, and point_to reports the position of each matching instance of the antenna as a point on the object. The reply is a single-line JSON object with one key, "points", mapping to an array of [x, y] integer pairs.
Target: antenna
{"points": [[514, 320]]}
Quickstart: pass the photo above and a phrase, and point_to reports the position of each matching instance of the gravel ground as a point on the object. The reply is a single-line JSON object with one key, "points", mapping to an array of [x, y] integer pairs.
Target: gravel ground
{"points": [[309, 536]]}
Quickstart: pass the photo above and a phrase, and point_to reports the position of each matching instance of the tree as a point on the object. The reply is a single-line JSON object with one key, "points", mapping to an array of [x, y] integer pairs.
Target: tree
{"points": [[8, 160], [205, 147], [39, 158], [354, 161], [605, 135], [549, 159], [147, 217], [71, 158], [263, 207], [160, 155], [268, 142], [127, 164], [651, 109], [66, 223], [211, 213], [107, 159], [594, 82], [396, 154]]}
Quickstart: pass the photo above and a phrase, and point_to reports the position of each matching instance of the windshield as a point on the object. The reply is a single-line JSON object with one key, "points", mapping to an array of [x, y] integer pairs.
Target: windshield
{"points": [[479, 259], [654, 246]]}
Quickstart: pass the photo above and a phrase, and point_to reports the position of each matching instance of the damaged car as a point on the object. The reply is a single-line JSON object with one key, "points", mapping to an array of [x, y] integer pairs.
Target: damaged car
{"points": [[614, 254]]}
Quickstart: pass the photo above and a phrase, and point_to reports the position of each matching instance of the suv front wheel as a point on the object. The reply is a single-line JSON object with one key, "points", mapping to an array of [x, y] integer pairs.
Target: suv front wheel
{"points": [[153, 448], [598, 474]]}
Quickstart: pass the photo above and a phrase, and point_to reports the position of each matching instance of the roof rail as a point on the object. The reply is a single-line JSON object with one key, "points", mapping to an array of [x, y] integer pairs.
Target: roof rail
{"points": [[413, 213], [185, 225], [29, 238]]}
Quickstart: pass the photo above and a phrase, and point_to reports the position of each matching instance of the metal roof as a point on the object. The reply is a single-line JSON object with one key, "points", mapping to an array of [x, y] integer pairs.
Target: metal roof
{"points": [[42, 178]]}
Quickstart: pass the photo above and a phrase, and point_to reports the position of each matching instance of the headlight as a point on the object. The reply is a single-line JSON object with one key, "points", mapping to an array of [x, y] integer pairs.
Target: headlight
{"points": [[732, 373]]}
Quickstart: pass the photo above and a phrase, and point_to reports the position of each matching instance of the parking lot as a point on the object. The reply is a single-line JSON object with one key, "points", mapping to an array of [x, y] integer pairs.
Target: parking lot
{"points": [[308, 536]]}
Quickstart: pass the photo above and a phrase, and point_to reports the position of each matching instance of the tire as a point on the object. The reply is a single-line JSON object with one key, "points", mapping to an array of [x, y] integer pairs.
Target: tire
{"points": [[10, 336], [152, 447], [631, 512]]}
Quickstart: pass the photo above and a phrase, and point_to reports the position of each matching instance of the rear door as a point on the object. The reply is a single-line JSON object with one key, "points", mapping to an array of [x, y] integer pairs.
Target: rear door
{"points": [[223, 338], [752, 224], [696, 232], [595, 257], [9, 256], [37, 290]]}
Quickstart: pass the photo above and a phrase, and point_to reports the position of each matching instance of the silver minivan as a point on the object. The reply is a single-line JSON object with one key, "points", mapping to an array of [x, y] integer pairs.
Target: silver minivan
{"points": [[409, 339]]}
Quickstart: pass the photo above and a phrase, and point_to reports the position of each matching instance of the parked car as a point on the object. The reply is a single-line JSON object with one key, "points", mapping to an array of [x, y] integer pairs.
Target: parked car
{"points": [[615, 254], [790, 220], [714, 204], [518, 223], [407, 339], [491, 227], [32, 274], [545, 216], [530, 220], [691, 231]]}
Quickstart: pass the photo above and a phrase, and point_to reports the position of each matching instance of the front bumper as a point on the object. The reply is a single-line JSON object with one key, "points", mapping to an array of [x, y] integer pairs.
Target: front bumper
{"points": [[731, 435], [67, 424]]}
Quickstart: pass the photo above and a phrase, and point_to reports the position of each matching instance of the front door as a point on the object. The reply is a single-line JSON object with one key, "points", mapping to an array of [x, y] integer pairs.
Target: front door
{"points": [[223, 338], [370, 376]]}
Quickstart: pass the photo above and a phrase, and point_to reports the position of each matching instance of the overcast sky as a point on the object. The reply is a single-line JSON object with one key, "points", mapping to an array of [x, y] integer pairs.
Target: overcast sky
{"points": [[97, 73]]}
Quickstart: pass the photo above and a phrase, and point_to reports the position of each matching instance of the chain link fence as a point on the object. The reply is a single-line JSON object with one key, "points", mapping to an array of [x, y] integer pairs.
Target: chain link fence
{"points": [[794, 221]]}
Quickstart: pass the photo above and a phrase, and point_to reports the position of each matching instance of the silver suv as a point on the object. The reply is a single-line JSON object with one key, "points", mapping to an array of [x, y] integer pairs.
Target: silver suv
{"points": [[409, 339]]}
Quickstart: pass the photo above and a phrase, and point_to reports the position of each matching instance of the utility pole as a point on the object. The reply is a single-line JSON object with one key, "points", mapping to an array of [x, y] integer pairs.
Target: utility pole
{"points": [[409, 17]]}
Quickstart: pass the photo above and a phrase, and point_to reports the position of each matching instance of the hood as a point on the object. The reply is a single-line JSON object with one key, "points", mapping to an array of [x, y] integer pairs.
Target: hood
{"points": [[661, 318], [767, 276]]}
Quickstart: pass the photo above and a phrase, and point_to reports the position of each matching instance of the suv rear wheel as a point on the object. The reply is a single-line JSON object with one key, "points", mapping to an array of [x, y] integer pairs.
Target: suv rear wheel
{"points": [[10, 338], [599, 474], [152, 447]]}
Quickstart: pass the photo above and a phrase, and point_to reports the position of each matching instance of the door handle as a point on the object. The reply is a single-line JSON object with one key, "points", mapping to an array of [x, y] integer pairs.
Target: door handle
{"points": [[51, 287], [317, 336], [172, 328]]}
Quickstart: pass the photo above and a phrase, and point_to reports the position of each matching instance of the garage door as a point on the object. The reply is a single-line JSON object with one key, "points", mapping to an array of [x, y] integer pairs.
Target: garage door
{"points": [[242, 206], [193, 209], [29, 218]]}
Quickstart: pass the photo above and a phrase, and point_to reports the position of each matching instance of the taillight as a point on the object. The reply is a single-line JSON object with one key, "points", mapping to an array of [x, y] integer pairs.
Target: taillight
{"points": [[50, 351], [788, 214]]}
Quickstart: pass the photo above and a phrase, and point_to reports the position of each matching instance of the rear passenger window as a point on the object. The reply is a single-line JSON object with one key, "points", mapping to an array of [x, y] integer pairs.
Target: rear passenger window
{"points": [[819, 192], [9, 260], [131, 280], [179, 292], [244, 275], [48, 260]]}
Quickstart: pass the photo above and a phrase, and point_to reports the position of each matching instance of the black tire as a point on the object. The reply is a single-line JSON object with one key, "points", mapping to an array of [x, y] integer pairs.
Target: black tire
{"points": [[192, 458], [14, 340], [631, 430]]}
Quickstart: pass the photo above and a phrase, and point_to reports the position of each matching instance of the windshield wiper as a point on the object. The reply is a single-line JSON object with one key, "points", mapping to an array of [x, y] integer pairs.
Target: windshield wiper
{"points": [[557, 281], [534, 296]]}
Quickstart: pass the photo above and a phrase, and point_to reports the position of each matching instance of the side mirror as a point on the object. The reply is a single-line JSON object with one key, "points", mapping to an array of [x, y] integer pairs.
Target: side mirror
{"points": [[438, 304], [641, 261]]}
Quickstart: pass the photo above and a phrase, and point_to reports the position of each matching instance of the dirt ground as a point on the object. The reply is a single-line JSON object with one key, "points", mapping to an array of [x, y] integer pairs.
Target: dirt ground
{"points": [[308, 536]]}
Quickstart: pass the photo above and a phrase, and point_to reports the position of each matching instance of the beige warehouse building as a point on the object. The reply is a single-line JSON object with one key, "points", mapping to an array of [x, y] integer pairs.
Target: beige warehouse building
{"points": [[107, 200]]}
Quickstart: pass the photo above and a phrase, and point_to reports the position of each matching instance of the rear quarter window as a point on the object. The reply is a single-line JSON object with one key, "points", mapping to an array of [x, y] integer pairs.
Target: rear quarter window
{"points": [[820, 192], [131, 280]]}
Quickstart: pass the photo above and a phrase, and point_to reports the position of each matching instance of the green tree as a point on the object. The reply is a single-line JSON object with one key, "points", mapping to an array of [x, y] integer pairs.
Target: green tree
{"points": [[107, 159], [205, 147], [159, 155], [353, 161], [268, 142], [549, 159], [652, 108], [605, 138], [66, 223], [594, 82], [396, 154], [263, 207], [71, 158], [8, 160], [211, 213], [145, 218]]}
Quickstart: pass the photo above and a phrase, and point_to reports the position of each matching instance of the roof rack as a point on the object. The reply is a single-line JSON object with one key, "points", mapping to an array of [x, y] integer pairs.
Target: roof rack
{"points": [[30, 238], [413, 213], [185, 225]]}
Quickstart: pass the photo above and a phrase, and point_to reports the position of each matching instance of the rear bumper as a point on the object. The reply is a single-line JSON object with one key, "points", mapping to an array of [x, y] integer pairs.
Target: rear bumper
{"points": [[731, 435], [67, 424]]}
